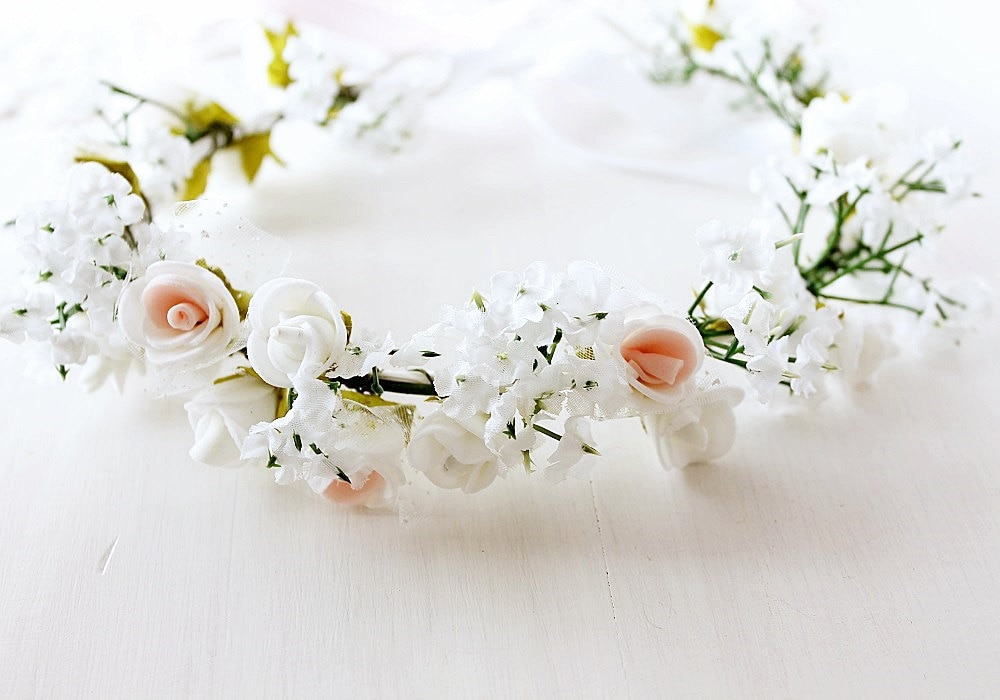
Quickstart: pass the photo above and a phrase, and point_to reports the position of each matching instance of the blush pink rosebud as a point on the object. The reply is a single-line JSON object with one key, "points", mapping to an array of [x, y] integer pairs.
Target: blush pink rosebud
{"points": [[370, 493], [662, 354], [179, 312]]}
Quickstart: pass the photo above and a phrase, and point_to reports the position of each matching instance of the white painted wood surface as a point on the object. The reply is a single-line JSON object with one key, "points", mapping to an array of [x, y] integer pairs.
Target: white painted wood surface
{"points": [[848, 551]]}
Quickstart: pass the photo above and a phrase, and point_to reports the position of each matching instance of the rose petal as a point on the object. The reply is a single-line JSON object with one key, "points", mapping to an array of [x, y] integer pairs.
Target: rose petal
{"points": [[345, 494]]}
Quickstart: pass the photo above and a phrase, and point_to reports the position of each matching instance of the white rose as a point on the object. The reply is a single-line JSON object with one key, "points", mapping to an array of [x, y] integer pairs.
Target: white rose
{"points": [[295, 328], [699, 433], [221, 417], [179, 312], [452, 456]]}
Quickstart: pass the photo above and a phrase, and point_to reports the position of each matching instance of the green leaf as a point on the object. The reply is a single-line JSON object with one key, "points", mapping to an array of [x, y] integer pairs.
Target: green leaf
{"points": [[346, 94], [198, 181], [704, 37], [241, 372], [478, 300], [254, 148], [348, 323], [209, 116], [211, 119], [115, 271], [242, 298], [284, 404], [719, 324], [277, 69], [368, 400]]}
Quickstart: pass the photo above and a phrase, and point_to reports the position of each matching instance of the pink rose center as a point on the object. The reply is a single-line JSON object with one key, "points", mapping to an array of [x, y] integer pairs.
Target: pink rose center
{"points": [[171, 306], [339, 491], [185, 316], [660, 356]]}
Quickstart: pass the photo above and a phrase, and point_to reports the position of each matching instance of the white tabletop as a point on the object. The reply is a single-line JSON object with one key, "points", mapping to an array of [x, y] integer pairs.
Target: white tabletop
{"points": [[845, 550]]}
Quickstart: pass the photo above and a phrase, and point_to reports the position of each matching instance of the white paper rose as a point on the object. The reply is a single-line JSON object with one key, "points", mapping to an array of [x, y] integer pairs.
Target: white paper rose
{"points": [[452, 456], [295, 329], [179, 312], [221, 417], [696, 434], [662, 353]]}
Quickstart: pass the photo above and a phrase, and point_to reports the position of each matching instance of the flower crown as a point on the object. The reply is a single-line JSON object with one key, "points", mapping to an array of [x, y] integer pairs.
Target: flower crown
{"points": [[278, 375]]}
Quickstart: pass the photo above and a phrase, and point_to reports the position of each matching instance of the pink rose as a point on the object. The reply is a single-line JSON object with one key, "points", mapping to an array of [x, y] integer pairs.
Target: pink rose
{"points": [[179, 312], [662, 353]]}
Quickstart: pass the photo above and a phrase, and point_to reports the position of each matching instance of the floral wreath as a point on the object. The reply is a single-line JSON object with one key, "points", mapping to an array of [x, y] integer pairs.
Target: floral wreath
{"points": [[278, 375]]}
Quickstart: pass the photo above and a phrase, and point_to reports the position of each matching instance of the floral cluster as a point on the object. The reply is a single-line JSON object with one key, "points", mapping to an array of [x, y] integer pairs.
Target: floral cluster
{"points": [[845, 211], [79, 251], [544, 352], [142, 154], [770, 49], [170, 144], [360, 95], [278, 374]]}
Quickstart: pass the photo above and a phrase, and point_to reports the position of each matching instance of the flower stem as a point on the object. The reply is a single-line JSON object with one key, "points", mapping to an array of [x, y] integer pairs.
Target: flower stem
{"points": [[698, 299], [588, 449], [876, 302], [413, 382], [546, 432], [143, 99]]}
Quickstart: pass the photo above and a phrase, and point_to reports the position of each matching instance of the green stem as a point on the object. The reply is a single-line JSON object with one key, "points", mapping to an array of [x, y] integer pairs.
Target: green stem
{"points": [[800, 224], [555, 343], [729, 360], [399, 383], [143, 99], [892, 282], [698, 299], [874, 302], [589, 449], [902, 178], [754, 84], [546, 432], [878, 255]]}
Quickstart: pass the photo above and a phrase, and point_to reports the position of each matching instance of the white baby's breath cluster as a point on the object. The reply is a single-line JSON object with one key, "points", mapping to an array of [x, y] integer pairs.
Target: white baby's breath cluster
{"points": [[168, 141], [846, 210], [538, 356], [78, 252], [277, 374], [769, 47], [362, 94]]}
